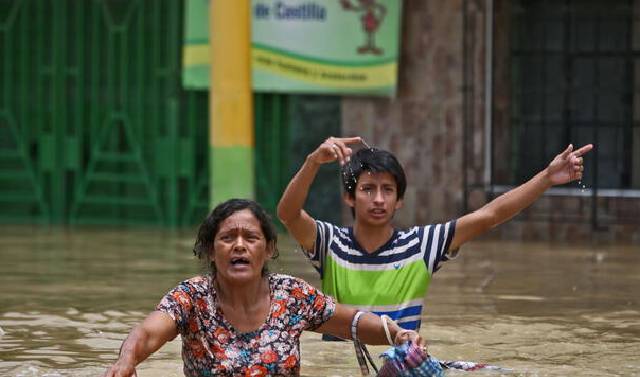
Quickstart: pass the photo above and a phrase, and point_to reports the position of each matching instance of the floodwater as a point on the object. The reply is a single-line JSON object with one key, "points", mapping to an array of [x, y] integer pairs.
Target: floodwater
{"points": [[69, 297]]}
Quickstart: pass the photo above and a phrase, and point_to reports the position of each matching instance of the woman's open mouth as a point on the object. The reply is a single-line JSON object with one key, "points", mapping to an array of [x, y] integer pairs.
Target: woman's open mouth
{"points": [[239, 261]]}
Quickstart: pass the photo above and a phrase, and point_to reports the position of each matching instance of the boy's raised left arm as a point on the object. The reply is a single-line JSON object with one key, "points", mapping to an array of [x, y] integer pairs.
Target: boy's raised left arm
{"points": [[564, 168]]}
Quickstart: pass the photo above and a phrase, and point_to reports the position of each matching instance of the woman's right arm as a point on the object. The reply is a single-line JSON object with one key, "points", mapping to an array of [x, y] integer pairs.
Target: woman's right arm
{"points": [[146, 338], [370, 328]]}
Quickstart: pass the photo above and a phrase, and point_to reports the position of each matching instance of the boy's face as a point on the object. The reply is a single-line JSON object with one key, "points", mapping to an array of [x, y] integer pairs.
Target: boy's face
{"points": [[375, 199]]}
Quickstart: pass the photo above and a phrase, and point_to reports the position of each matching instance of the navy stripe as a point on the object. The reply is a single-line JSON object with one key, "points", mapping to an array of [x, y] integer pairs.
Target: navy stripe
{"points": [[447, 245], [376, 259], [399, 242], [427, 252], [452, 231], [440, 248], [409, 325], [444, 244], [318, 258], [397, 314]]}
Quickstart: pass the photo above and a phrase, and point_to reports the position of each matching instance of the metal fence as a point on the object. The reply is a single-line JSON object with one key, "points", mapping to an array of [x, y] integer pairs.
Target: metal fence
{"points": [[94, 127]]}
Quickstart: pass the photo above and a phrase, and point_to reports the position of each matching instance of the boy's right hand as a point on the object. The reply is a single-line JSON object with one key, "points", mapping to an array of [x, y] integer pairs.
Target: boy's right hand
{"points": [[334, 148]]}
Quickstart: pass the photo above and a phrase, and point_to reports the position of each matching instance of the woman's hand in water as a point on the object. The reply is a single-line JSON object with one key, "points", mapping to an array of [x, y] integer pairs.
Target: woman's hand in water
{"points": [[334, 148], [121, 368]]}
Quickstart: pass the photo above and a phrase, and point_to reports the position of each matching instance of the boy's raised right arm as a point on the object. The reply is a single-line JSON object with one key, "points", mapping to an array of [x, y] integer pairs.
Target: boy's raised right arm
{"points": [[290, 208]]}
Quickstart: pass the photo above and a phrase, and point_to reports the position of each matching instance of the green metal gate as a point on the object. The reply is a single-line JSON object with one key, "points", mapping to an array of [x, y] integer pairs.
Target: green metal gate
{"points": [[94, 127]]}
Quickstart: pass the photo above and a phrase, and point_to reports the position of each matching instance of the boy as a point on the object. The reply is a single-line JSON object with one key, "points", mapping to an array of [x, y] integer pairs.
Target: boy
{"points": [[373, 266]]}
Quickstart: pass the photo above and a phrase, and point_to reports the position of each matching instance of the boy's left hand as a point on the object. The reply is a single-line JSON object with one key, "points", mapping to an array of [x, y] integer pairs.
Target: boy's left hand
{"points": [[568, 165]]}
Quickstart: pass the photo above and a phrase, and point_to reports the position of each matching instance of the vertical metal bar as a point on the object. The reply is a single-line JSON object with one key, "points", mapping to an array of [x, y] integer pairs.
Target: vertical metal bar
{"points": [[123, 67], [275, 153], [627, 95], [596, 123], [154, 66], [257, 131], [142, 79], [109, 62], [191, 179], [23, 81], [80, 99], [544, 54], [39, 100], [95, 79], [515, 112], [58, 113], [6, 75], [567, 119], [285, 148], [488, 105], [172, 83], [126, 139], [139, 114], [259, 126], [35, 119], [62, 107], [465, 106]]}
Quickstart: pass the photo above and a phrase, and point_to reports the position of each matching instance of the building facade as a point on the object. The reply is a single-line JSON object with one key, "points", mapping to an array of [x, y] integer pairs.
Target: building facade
{"points": [[490, 91]]}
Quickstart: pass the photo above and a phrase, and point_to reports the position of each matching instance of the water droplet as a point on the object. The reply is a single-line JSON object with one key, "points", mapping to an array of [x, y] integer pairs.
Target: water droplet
{"points": [[582, 186]]}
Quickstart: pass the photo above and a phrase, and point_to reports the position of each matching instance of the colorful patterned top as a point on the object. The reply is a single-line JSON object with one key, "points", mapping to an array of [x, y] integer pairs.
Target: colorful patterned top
{"points": [[212, 347]]}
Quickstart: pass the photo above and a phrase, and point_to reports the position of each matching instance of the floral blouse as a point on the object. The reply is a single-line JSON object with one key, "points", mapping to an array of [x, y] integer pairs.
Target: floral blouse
{"points": [[212, 347]]}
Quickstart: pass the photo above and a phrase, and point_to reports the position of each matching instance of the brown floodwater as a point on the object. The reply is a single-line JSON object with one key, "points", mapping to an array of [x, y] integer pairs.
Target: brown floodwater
{"points": [[69, 296]]}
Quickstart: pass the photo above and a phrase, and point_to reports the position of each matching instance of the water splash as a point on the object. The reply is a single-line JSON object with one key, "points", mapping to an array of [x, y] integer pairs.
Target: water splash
{"points": [[582, 186]]}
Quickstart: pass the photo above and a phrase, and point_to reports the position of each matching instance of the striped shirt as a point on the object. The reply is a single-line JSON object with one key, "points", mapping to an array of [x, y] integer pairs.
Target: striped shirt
{"points": [[393, 280]]}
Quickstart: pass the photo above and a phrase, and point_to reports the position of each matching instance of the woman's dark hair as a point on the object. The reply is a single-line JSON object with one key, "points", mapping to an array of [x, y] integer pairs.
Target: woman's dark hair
{"points": [[209, 228], [372, 160]]}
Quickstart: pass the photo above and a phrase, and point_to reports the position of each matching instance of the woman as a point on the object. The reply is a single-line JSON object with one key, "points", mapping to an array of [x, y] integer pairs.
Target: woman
{"points": [[239, 319]]}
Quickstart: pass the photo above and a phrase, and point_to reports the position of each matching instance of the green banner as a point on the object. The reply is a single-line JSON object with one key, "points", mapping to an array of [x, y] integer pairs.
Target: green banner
{"points": [[195, 51], [325, 46]]}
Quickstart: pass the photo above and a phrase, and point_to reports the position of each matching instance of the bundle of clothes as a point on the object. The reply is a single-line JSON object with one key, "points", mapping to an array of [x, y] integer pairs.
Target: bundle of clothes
{"points": [[411, 360]]}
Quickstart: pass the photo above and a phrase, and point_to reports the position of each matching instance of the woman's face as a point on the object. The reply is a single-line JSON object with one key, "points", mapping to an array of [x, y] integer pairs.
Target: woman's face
{"points": [[240, 249]]}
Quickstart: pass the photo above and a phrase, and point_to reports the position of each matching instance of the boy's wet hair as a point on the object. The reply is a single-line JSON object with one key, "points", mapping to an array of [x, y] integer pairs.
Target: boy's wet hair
{"points": [[372, 160], [211, 224]]}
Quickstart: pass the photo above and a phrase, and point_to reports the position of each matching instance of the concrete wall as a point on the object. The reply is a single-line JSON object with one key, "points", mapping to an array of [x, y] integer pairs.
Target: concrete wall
{"points": [[423, 125], [436, 128]]}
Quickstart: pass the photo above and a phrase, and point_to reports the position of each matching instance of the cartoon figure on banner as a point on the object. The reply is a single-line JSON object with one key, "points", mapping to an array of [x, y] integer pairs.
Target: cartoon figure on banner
{"points": [[372, 15]]}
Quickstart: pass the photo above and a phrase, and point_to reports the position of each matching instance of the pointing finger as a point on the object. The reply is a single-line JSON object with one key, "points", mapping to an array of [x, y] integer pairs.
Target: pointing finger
{"points": [[583, 150]]}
